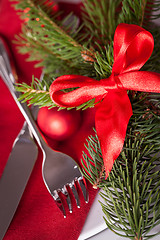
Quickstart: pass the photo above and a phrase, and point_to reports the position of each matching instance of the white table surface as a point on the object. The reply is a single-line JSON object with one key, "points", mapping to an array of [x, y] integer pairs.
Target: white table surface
{"points": [[109, 235]]}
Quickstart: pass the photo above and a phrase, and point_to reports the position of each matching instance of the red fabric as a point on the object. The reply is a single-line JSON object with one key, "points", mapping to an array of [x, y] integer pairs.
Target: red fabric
{"points": [[133, 46], [37, 216]]}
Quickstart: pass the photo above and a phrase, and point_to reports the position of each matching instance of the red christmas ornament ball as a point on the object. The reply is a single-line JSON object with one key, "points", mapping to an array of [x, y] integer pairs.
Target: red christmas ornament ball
{"points": [[58, 125]]}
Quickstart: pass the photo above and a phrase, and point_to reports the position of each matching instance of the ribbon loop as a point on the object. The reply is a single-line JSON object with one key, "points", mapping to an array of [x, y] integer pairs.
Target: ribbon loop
{"points": [[133, 46], [86, 89]]}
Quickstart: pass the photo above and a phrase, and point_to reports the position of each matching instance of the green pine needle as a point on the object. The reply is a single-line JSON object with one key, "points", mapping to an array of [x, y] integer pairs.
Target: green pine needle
{"points": [[131, 192], [37, 93]]}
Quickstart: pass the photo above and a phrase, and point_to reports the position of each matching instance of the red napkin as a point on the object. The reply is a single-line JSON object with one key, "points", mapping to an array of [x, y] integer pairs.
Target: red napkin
{"points": [[37, 216]]}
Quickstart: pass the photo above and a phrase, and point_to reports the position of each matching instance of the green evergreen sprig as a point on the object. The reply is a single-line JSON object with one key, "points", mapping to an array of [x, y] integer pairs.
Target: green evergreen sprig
{"points": [[131, 192], [92, 162], [37, 93], [134, 11], [100, 20], [50, 41], [103, 65]]}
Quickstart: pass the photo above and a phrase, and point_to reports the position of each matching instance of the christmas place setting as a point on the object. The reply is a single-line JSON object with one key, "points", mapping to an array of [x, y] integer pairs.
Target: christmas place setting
{"points": [[79, 119]]}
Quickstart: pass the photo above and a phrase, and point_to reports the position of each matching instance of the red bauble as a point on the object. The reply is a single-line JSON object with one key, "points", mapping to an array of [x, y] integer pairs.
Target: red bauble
{"points": [[58, 125]]}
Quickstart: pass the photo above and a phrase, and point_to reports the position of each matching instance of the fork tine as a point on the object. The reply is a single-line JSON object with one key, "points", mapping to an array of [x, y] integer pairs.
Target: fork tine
{"points": [[67, 197], [72, 185], [83, 186], [56, 196]]}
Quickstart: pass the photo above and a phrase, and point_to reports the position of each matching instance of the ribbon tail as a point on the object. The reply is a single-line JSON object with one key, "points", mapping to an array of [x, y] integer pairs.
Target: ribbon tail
{"points": [[111, 120]]}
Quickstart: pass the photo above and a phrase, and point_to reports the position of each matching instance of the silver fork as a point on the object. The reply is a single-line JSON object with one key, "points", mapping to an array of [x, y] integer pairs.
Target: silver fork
{"points": [[64, 176]]}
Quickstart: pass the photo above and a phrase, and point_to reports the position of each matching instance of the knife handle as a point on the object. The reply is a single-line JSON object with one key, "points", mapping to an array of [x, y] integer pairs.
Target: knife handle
{"points": [[8, 78]]}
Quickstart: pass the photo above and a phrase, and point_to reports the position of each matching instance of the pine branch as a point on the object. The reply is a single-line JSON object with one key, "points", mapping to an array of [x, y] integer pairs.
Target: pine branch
{"points": [[134, 12], [93, 168], [131, 192], [103, 65], [99, 19], [36, 12], [37, 93], [146, 108], [132, 195], [50, 41]]}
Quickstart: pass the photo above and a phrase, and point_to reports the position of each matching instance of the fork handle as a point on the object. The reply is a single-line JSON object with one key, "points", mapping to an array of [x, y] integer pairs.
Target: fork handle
{"points": [[7, 76]]}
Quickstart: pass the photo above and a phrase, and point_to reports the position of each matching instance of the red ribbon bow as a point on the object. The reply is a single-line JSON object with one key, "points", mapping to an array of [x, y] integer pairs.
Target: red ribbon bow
{"points": [[133, 46]]}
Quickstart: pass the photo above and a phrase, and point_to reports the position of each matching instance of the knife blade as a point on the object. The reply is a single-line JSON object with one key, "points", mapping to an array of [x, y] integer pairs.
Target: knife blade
{"points": [[15, 176], [21, 160]]}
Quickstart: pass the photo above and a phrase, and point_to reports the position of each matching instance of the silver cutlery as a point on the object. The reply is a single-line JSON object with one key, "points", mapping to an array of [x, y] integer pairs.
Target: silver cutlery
{"points": [[15, 176], [65, 175], [17, 170]]}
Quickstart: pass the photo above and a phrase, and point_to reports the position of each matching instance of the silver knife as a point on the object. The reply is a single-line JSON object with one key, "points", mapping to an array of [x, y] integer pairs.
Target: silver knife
{"points": [[20, 163], [15, 176]]}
